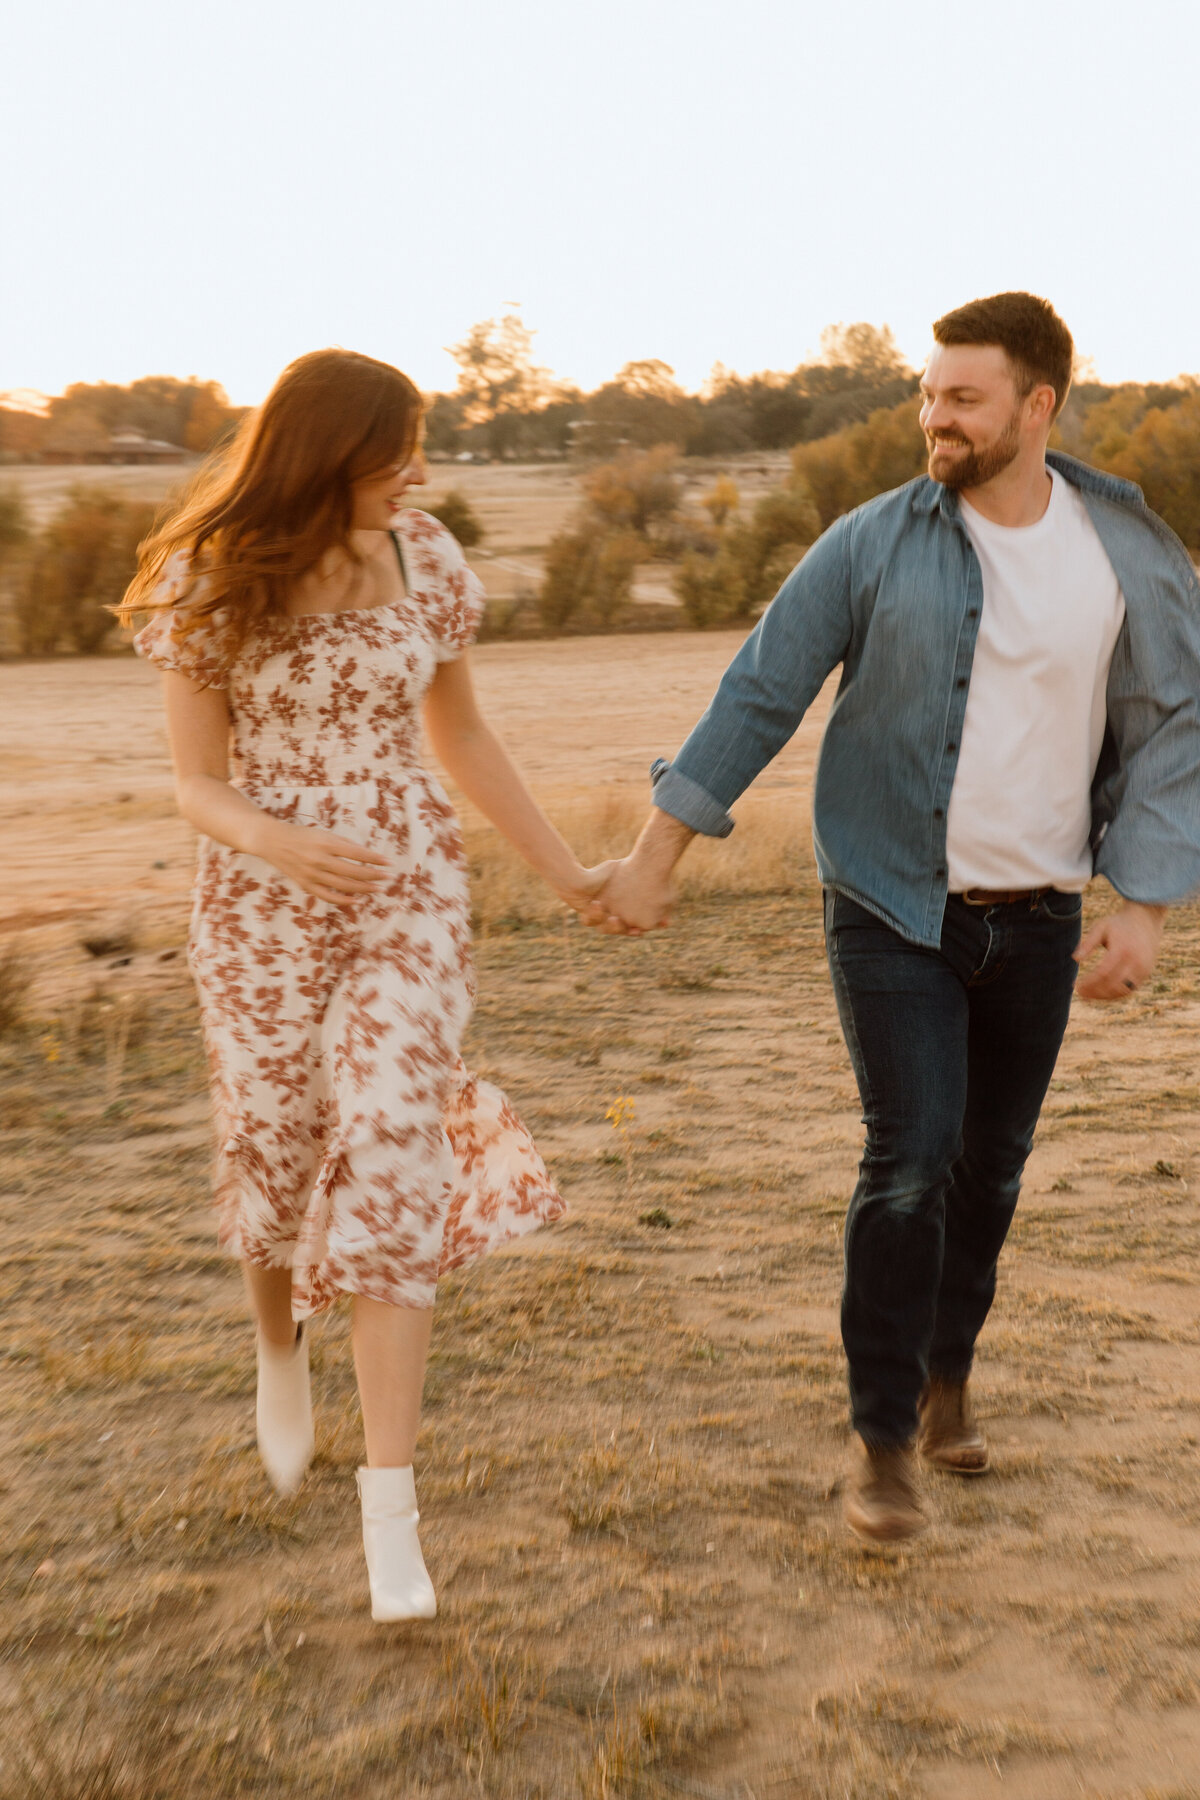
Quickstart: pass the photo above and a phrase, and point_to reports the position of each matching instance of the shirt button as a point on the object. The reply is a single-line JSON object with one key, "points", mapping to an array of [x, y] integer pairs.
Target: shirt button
{"points": [[961, 682], [973, 613], [939, 812], [939, 874], [950, 749]]}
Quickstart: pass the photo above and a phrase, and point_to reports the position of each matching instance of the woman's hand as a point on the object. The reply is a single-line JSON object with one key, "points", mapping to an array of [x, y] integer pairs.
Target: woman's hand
{"points": [[328, 867], [581, 892]]}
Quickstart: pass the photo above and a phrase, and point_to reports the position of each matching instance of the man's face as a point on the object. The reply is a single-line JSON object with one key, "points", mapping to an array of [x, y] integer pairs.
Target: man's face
{"points": [[971, 413]]}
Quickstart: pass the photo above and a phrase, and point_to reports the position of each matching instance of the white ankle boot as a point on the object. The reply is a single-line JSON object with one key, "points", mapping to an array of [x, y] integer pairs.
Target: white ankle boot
{"points": [[400, 1584], [284, 1413]]}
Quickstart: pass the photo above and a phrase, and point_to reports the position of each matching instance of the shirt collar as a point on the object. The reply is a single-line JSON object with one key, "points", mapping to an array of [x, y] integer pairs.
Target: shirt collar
{"points": [[932, 496]]}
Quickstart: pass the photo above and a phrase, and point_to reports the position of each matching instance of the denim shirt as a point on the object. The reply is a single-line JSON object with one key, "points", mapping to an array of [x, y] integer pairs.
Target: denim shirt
{"points": [[893, 592]]}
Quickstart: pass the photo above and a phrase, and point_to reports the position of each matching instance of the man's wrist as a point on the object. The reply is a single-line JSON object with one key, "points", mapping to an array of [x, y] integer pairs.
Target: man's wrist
{"points": [[663, 841], [1157, 913]]}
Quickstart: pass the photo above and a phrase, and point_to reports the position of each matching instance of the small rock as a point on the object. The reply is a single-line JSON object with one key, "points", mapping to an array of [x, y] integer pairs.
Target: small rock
{"points": [[158, 865]]}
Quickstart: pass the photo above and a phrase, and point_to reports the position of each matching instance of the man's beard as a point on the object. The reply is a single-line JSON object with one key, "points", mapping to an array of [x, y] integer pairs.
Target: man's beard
{"points": [[977, 466]]}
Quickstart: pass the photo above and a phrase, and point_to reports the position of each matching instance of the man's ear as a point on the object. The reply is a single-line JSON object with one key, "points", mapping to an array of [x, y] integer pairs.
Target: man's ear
{"points": [[1042, 402]]}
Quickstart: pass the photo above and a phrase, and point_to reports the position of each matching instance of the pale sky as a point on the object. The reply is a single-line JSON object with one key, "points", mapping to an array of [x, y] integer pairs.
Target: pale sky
{"points": [[213, 189]]}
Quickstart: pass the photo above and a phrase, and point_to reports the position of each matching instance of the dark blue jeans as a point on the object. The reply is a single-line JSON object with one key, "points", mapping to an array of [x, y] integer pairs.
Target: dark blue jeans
{"points": [[953, 1050]]}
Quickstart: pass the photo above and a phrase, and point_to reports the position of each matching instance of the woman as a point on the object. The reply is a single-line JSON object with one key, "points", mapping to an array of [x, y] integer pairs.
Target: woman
{"points": [[302, 619]]}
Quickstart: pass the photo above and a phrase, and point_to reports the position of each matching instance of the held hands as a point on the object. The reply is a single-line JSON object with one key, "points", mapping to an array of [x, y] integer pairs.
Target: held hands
{"points": [[582, 891], [1130, 940], [640, 893], [638, 898], [328, 867]]}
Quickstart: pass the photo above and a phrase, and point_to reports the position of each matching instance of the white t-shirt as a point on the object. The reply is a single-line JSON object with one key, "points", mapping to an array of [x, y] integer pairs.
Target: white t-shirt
{"points": [[1020, 808]]}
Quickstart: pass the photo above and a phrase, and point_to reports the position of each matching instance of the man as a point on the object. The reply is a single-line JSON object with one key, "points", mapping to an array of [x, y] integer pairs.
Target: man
{"points": [[1019, 706]]}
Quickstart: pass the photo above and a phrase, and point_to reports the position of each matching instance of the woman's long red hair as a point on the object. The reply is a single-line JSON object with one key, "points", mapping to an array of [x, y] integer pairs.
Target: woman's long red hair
{"points": [[266, 509]]}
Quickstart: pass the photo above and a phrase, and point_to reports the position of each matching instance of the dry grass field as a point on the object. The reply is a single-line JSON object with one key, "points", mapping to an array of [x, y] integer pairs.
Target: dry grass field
{"points": [[634, 1438]]}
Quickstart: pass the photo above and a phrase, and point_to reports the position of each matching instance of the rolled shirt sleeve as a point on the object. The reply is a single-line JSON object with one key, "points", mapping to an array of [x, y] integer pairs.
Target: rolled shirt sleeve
{"points": [[688, 802]]}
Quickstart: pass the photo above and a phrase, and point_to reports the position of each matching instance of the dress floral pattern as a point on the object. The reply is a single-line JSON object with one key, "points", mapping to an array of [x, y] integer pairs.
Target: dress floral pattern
{"points": [[354, 1146]]}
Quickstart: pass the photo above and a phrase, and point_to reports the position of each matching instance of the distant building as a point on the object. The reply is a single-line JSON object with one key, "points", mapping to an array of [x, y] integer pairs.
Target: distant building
{"points": [[127, 445]]}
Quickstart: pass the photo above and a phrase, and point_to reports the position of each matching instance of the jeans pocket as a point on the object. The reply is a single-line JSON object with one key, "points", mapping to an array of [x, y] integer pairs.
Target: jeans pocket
{"points": [[842, 913], [1064, 909]]}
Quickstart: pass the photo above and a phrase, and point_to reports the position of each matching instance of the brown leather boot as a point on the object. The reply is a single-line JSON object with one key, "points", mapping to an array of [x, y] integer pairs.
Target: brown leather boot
{"points": [[883, 1500], [949, 1437]]}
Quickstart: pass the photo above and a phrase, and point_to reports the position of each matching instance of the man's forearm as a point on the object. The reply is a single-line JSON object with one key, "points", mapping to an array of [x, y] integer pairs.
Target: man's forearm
{"points": [[661, 842]]}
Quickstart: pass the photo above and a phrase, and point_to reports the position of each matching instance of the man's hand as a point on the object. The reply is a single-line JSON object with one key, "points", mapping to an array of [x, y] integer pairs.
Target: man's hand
{"points": [[637, 898], [1130, 940], [582, 890], [639, 894]]}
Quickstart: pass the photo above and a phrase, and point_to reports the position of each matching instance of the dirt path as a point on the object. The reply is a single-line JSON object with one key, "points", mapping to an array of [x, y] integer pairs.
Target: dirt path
{"points": [[634, 1439]]}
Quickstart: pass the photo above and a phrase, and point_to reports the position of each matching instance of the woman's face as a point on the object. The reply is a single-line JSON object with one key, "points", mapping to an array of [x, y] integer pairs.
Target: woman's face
{"points": [[377, 498]]}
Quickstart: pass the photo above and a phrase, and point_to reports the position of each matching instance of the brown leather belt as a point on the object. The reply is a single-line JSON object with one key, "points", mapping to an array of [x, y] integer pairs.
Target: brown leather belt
{"points": [[1003, 896]]}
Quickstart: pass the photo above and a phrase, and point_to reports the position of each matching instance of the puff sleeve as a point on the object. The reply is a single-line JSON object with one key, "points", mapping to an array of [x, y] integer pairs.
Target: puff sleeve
{"points": [[451, 594], [200, 653]]}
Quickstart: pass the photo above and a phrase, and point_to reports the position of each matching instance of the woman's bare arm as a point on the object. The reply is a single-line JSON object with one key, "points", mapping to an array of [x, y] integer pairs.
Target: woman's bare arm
{"points": [[477, 761], [329, 867]]}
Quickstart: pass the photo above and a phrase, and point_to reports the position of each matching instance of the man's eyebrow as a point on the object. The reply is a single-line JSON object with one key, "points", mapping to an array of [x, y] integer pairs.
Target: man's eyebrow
{"points": [[966, 387]]}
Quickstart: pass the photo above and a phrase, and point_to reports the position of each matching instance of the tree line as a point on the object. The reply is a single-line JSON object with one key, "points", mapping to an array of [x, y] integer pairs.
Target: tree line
{"points": [[849, 415], [849, 421], [194, 415], [506, 405]]}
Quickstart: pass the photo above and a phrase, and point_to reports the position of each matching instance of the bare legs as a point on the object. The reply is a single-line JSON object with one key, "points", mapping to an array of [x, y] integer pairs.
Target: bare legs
{"points": [[391, 1344], [270, 1292]]}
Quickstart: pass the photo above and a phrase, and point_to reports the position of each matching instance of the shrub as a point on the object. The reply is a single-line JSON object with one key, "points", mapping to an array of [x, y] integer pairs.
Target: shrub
{"points": [[752, 558], [14, 523], [722, 500], [711, 589], [458, 516], [588, 578], [81, 563], [639, 493], [631, 510], [849, 466]]}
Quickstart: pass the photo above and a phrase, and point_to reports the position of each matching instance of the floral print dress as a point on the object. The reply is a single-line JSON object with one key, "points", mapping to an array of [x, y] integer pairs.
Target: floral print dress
{"points": [[354, 1147]]}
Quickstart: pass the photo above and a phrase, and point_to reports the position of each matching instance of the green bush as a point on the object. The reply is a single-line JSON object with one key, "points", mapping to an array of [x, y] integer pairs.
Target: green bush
{"points": [[752, 557], [711, 589], [79, 565], [636, 492], [458, 516], [588, 578], [849, 466]]}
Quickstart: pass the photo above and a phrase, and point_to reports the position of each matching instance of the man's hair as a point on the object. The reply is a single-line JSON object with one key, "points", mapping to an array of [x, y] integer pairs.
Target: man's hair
{"points": [[1027, 329]]}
